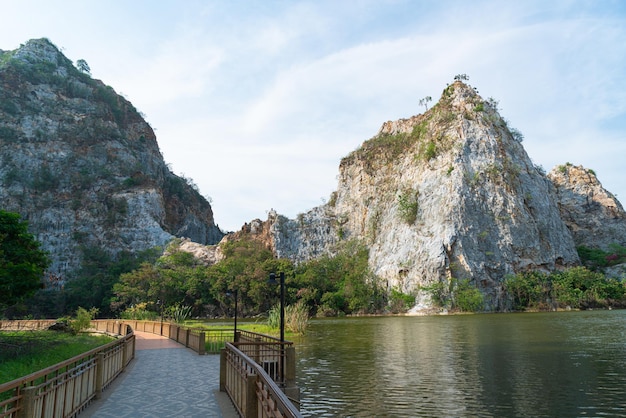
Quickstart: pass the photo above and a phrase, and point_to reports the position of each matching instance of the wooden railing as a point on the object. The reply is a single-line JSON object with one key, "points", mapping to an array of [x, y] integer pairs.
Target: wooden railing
{"points": [[189, 337], [26, 325], [65, 389], [259, 374]]}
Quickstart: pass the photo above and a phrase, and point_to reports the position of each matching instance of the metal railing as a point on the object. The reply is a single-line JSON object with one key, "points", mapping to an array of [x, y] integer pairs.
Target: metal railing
{"points": [[249, 385], [65, 389]]}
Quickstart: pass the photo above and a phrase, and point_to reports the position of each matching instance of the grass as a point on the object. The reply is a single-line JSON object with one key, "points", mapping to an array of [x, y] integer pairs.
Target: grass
{"points": [[25, 352], [258, 327]]}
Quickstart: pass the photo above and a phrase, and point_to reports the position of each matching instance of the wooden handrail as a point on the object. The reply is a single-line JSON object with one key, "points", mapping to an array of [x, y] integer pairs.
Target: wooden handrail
{"points": [[92, 371], [270, 400]]}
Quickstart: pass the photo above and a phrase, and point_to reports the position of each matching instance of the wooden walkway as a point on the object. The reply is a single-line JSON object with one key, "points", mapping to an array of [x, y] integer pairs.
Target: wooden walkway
{"points": [[165, 380]]}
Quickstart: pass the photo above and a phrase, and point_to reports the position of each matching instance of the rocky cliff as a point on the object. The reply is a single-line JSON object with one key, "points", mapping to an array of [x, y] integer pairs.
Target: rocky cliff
{"points": [[450, 193], [593, 214], [83, 167]]}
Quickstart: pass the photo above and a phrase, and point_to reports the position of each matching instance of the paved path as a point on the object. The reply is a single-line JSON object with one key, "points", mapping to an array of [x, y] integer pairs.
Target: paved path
{"points": [[164, 380]]}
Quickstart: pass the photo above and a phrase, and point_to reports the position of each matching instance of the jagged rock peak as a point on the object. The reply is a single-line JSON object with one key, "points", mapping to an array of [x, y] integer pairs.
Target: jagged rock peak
{"points": [[593, 214], [80, 163], [39, 50], [458, 96]]}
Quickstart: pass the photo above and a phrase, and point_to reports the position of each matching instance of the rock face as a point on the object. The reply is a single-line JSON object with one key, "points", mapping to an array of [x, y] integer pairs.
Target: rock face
{"points": [[450, 193], [594, 215], [83, 167]]}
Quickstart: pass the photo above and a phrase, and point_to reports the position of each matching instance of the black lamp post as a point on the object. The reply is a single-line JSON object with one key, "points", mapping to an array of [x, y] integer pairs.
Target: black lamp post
{"points": [[160, 304], [236, 294], [282, 302]]}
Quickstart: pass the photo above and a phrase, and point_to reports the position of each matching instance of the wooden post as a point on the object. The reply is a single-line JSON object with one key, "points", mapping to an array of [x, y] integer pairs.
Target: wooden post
{"points": [[202, 343], [187, 331], [124, 353], [223, 370], [252, 402], [291, 389], [99, 374], [257, 350], [27, 409]]}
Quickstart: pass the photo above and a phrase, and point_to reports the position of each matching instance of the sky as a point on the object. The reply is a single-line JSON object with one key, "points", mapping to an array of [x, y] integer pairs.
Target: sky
{"points": [[257, 101]]}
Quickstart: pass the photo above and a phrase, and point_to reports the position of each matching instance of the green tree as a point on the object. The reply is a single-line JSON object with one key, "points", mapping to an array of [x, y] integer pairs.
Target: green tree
{"points": [[22, 261], [83, 67]]}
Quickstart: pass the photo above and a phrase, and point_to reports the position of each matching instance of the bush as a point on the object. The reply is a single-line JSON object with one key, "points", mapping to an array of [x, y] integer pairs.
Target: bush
{"points": [[179, 313], [297, 318], [83, 318], [139, 312], [408, 205], [467, 297], [400, 302], [577, 288]]}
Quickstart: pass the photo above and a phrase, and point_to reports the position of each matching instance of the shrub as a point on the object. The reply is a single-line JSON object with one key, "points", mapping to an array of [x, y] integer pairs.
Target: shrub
{"points": [[297, 318], [400, 302], [408, 205], [430, 151], [83, 319], [467, 297], [179, 313], [139, 312]]}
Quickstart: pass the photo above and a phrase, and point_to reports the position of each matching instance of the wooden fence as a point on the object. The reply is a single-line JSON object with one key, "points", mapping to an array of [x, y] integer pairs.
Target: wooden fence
{"points": [[252, 390], [189, 337], [65, 389]]}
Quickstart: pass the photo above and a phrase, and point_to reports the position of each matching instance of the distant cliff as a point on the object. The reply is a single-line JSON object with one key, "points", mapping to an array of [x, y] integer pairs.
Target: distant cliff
{"points": [[83, 167], [451, 193]]}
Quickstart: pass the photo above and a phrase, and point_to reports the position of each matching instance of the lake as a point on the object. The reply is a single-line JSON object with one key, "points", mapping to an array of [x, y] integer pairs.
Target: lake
{"points": [[558, 364]]}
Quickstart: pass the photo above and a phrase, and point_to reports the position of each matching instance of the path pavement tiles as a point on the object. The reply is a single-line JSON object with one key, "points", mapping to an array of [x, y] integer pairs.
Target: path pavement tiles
{"points": [[164, 380]]}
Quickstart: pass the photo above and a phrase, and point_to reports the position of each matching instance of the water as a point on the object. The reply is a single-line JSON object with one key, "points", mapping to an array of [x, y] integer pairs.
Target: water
{"points": [[566, 364]]}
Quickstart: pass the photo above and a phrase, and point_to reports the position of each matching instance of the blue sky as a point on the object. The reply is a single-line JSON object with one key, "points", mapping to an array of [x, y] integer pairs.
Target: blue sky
{"points": [[258, 101]]}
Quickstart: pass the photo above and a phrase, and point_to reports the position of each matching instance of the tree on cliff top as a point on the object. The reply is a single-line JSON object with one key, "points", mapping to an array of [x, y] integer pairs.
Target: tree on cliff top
{"points": [[22, 261]]}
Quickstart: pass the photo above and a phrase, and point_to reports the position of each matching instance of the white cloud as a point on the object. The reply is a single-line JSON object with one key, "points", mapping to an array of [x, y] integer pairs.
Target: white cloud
{"points": [[258, 102]]}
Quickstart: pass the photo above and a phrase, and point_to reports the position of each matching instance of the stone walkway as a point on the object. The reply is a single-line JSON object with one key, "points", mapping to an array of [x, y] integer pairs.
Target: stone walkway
{"points": [[164, 380]]}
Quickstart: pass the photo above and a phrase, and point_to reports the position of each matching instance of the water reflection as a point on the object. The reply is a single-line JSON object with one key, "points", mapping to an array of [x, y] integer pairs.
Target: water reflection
{"points": [[555, 364]]}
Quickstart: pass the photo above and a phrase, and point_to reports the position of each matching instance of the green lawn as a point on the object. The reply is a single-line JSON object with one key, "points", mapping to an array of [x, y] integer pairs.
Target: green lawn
{"points": [[25, 352], [258, 327]]}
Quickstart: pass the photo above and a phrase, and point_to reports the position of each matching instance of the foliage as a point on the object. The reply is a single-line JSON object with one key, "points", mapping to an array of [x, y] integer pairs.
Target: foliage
{"points": [[595, 258], [400, 302], [82, 66], [466, 297], [83, 318], [296, 317], [139, 312], [577, 288], [342, 284], [408, 205], [461, 77], [424, 102], [22, 261], [179, 313], [516, 134], [457, 294], [386, 148], [331, 285], [92, 285]]}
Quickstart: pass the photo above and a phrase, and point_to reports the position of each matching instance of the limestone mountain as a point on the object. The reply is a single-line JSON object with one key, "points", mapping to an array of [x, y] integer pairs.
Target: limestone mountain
{"points": [[83, 167], [450, 193]]}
